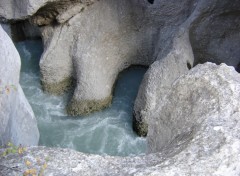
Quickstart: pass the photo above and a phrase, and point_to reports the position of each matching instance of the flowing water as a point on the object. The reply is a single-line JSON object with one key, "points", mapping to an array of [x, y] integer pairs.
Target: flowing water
{"points": [[106, 132]]}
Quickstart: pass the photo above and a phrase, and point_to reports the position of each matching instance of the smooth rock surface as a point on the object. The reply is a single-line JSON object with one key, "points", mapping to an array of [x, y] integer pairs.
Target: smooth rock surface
{"points": [[214, 35], [158, 81], [101, 41], [199, 136], [17, 121]]}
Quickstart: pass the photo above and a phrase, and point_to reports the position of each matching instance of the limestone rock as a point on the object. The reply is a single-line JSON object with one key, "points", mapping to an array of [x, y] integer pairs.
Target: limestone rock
{"points": [[18, 123], [99, 42], [198, 135], [158, 80], [93, 55], [10, 9], [206, 95], [215, 38], [44, 12], [206, 37]]}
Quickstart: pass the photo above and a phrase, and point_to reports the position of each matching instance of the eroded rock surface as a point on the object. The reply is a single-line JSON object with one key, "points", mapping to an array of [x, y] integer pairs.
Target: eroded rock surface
{"points": [[211, 33], [101, 41], [17, 121], [45, 11], [199, 135]]}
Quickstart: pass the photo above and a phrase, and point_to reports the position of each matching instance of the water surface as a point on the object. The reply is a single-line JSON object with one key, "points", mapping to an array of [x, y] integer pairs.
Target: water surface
{"points": [[106, 132]]}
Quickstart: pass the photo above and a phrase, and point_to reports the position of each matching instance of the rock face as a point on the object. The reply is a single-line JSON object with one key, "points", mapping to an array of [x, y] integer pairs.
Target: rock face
{"points": [[19, 9], [46, 10], [17, 121], [216, 37], [100, 41], [202, 34], [96, 50], [158, 80], [198, 135], [202, 101], [192, 117], [91, 41]]}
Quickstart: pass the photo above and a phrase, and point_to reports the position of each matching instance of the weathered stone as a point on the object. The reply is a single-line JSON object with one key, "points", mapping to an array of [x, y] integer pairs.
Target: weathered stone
{"points": [[100, 42], [206, 95], [193, 119], [210, 41], [198, 135], [60, 87], [59, 11], [87, 106], [17, 121], [158, 80], [11, 9], [216, 37], [98, 54]]}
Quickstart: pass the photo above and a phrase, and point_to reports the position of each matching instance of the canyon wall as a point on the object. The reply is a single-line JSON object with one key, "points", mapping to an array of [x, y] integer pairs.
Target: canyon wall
{"points": [[189, 112], [196, 133], [18, 124]]}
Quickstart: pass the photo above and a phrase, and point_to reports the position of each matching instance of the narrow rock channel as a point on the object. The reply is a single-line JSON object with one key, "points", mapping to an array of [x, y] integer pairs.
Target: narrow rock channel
{"points": [[106, 132]]}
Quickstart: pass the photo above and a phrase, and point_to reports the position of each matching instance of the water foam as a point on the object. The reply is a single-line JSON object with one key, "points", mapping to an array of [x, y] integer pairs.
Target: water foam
{"points": [[106, 132]]}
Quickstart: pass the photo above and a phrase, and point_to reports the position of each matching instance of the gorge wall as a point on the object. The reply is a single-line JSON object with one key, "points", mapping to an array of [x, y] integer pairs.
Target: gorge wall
{"points": [[189, 114], [18, 123]]}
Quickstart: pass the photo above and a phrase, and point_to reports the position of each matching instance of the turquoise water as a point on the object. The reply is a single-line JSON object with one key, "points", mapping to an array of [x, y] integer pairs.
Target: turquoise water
{"points": [[106, 132]]}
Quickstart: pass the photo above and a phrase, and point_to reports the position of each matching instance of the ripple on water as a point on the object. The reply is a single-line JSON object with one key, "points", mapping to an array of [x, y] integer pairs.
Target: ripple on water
{"points": [[106, 132]]}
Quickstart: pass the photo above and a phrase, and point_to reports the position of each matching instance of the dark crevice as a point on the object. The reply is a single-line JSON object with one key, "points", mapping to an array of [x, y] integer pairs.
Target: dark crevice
{"points": [[24, 30], [238, 68], [189, 66], [151, 1]]}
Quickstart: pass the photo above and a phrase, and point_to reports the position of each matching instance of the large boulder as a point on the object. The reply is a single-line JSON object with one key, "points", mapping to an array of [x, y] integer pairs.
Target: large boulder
{"points": [[99, 42], [158, 80], [198, 135], [216, 37], [202, 34], [204, 100], [17, 121]]}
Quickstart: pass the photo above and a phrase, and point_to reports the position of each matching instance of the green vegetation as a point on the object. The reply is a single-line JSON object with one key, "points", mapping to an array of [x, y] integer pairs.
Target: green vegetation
{"points": [[12, 149], [35, 167]]}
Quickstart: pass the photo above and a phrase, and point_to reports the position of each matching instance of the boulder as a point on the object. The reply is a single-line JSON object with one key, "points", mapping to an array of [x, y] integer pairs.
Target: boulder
{"points": [[17, 121], [101, 41], [204, 100], [93, 55], [158, 80], [198, 135], [206, 38], [215, 37]]}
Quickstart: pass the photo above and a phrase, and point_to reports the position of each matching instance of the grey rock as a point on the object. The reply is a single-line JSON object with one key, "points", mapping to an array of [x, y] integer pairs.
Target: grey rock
{"points": [[11, 9], [6, 28], [44, 11], [199, 135], [206, 94], [100, 42], [206, 37], [215, 38], [158, 81], [98, 53], [18, 123]]}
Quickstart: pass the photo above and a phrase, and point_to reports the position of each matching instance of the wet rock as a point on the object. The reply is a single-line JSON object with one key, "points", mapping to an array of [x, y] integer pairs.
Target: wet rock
{"points": [[195, 132], [18, 123], [210, 40]]}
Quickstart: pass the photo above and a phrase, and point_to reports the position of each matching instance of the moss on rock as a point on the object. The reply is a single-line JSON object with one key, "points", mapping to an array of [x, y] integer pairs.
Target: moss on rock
{"points": [[140, 126], [58, 87], [85, 107]]}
